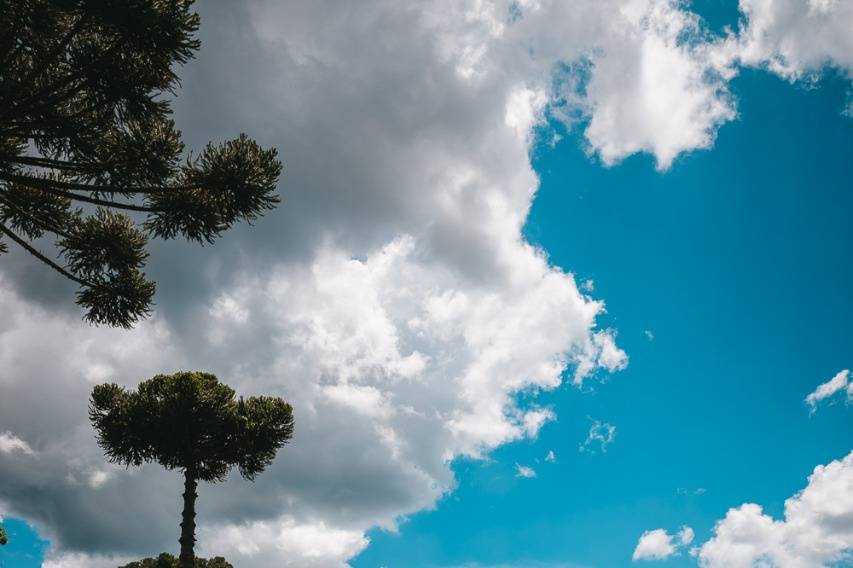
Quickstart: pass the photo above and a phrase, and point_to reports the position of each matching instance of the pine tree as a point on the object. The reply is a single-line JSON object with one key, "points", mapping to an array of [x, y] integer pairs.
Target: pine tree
{"points": [[191, 422], [90, 158]]}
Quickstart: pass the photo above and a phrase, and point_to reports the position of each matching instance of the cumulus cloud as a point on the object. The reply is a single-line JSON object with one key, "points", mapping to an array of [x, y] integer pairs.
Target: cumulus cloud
{"points": [[392, 297], [393, 368], [817, 528], [840, 382], [795, 38], [654, 545], [658, 544], [82, 560], [284, 543]]}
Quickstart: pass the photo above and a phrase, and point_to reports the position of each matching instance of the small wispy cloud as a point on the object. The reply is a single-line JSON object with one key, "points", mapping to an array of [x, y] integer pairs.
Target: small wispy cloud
{"points": [[10, 443], [649, 335], [840, 382], [524, 471], [550, 457], [691, 492], [601, 434]]}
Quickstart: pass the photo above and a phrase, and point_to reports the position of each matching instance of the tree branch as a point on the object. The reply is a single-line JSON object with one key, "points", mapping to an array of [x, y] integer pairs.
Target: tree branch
{"points": [[46, 186], [57, 98], [63, 43], [51, 89], [26, 128], [71, 186], [47, 163], [26, 246], [46, 225]]}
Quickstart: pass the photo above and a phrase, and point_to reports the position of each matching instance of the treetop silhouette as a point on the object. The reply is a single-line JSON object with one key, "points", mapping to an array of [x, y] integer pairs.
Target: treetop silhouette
{"points": [[89, 154], [169, 561], [191, 422]]}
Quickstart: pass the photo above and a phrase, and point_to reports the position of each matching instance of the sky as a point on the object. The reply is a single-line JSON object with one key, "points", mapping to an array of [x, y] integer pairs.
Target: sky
{"points": [[551, 285]]}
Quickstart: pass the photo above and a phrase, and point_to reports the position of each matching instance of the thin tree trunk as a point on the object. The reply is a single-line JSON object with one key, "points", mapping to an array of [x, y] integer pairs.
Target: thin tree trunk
{"points": [[187, 539]]}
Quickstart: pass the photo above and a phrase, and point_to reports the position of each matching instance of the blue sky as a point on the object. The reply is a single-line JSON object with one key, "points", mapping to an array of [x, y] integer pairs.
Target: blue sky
{"points": [[727, 280], [742, 257], [25, 548]]}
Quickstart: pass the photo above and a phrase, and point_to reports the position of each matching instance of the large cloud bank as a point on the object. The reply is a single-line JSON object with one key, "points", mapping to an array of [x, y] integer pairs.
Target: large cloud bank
{"points": [[392, 297], [817, 529]]}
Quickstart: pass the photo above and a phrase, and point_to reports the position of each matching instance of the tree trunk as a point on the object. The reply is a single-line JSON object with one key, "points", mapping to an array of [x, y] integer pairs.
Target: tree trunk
{"points": [[187, 539]]}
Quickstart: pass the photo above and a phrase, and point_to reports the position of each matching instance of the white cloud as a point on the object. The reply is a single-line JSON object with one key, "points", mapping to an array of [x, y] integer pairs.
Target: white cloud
{"points": [[535, 418], [816, 531], [601, 434], [281, 542], [392, 368], [284, 542], [686, 535], [796, 38], [392, 297], [654, 91], [524, 471], [654, 545], [825, 390], [551, 457], [658, 544], [10, 443], [82, 560], [98, 478]]}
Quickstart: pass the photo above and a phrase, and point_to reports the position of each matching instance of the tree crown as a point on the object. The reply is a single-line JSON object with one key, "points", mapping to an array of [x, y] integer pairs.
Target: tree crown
{"points": [[168, 561], [87, 140], [190, 421]]}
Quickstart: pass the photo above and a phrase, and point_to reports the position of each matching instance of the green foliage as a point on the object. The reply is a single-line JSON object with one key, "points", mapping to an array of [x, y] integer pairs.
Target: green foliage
{"points": [[3, 538], [86, 135], [190, 421], [169, 561]]}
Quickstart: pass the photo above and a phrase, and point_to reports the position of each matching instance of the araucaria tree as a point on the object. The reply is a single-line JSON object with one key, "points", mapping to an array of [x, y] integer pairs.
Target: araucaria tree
{"points": [[90, 157], [191, 422], [3, 539]]}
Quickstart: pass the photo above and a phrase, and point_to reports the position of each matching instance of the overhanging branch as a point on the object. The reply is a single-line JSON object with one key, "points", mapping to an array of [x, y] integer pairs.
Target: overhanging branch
{"points": [[71, 186], [26, 246], [47, 186], [43, 223]]}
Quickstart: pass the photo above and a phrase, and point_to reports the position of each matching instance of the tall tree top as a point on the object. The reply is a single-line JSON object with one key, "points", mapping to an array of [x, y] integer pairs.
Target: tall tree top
{"points": [[192, 422], [89, 153]]}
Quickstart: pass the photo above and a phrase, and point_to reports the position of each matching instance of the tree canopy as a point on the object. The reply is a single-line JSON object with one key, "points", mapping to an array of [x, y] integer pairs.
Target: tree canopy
{"points": [[3, 538], [90, 157], [169, 561], [191, 422]]}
